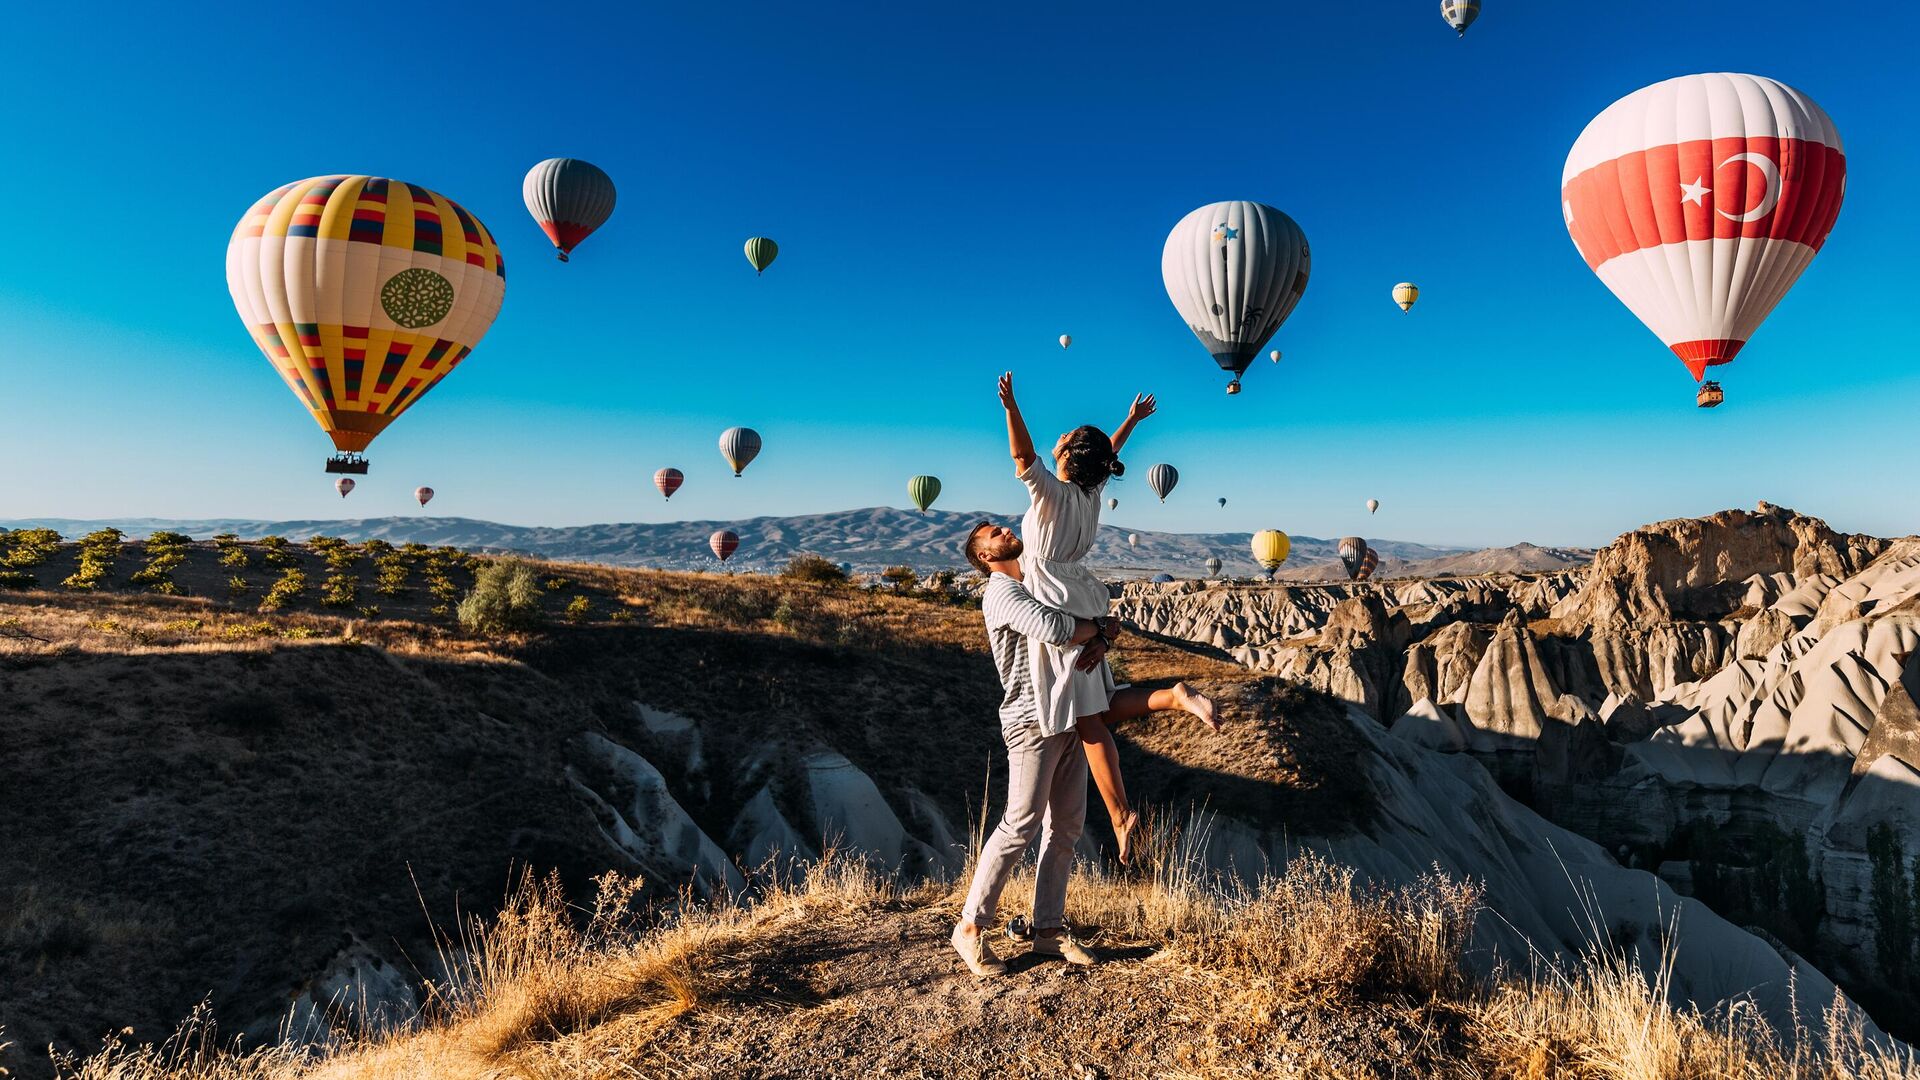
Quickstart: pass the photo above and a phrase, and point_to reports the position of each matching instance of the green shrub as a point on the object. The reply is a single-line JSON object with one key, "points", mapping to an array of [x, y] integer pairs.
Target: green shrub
{"points": [[16, 579], [98, 550], [279, 552], [237, 586], [286, 590], [813, 568], [24, 549], [579, 610], [323, 544], [505, 597], [234, 557], [339, 590], [902, 578]]}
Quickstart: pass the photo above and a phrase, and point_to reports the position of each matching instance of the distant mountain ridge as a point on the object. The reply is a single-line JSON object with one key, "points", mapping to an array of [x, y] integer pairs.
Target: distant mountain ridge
{"points": [[869, 539]]}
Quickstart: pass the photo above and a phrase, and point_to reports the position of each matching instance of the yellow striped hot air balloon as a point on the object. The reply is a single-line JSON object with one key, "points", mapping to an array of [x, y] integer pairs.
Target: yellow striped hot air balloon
{"points": [[363, 293], [1405, 294], [1270, 547], [761, 252]]}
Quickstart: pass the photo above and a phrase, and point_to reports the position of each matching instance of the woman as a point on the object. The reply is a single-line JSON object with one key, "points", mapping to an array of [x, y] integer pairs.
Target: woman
{"points": [[1059, 528]]}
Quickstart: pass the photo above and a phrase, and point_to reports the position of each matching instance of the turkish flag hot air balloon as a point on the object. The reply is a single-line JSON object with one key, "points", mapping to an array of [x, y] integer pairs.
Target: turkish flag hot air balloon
{"points": [[363, 293], [668, 481], [569, 198], [1699, 201], [723, 543], [1234, 271]]}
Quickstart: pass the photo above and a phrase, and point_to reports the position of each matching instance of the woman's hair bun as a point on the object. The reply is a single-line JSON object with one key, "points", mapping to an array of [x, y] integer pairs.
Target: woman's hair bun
{"points": [[1117, 468]]}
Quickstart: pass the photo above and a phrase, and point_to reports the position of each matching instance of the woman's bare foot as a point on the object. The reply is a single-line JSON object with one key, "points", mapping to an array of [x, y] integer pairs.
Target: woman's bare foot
{"points": [[1197, 703], [1123, 837]]}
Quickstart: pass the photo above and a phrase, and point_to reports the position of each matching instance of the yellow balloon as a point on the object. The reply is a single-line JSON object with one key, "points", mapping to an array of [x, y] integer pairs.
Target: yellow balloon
{"points": [[1270, 547], [1405, 294], [363, 293]]}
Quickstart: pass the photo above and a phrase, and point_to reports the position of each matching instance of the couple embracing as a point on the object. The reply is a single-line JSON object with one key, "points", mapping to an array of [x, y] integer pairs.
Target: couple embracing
{"points": [[1047, 622]]}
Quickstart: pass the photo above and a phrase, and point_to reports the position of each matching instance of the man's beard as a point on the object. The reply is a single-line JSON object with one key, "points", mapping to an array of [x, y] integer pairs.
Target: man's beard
{"points": [[1010, 551]]}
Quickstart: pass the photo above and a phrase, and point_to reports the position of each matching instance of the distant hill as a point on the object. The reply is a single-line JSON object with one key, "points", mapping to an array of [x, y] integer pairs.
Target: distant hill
{"points": [[869, 539]]}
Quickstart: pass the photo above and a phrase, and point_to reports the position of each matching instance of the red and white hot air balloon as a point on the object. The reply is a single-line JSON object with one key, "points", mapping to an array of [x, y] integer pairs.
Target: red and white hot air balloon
{"points": [[424, 494], [343, 485], [1699, 201], [669, 481], [723, 543]]}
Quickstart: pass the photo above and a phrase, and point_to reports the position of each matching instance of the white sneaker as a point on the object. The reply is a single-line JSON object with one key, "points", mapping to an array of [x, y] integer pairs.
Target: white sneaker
{"points": [[978, 956]]}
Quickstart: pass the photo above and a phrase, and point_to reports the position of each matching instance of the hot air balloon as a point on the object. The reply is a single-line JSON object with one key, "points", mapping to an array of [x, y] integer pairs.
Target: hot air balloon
{"points": [[761, 252], [1274, 356], [423, 495], [1352, 550], [569, 198], [1113, 504], [1133, 540], [1162, 478], [1213, 564], [343, 485], [1234, 271], [669, 481], [1223, 501], [1373, 506], [1405, 294], [1162, 579], [723, 543], [1066, 340], [1460, 13], [739, 445], [363, 293], [1369, 562], [923, 490], [1699, 201], [1270, 548]]}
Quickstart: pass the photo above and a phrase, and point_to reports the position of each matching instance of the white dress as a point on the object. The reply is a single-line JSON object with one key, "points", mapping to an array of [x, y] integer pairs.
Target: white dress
{"points": [[1057, 532]]}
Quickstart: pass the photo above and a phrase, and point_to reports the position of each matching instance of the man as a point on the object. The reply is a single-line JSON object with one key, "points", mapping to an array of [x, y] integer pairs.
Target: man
{"points": [[1046, 774]]}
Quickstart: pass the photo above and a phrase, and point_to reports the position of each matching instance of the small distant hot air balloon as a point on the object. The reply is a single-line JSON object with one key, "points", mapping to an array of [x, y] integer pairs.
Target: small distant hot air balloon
{"points": [[1162, 579], [1352, 550], [1373, 506], [1223, 501], [423, 495], [1234, 271], [1274, 356], [569, 198], [1369, 562], [363, 293], [1460, 14], [1270, 547], [923, 490], [1133, 540], [1162, 478], [761, 252], [723, 543], [1066, 340], [1113, 504], [343, 485], [1699, 200], [669, 481], [1213, 564], [739, 445], [1405, 294]]}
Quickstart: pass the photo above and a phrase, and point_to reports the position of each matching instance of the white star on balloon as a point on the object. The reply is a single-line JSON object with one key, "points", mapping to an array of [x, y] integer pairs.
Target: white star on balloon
{"points": [[1694, 192], [1222, 232]]}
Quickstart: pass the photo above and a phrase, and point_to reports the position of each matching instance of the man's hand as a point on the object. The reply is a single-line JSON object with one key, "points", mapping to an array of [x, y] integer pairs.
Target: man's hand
{"points": [[1006, 392], [1141, 408], [1111, 628], [1091, 654]]}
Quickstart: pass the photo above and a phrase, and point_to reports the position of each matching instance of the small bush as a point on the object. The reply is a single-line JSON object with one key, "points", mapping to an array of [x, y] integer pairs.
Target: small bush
{"points": [[235, 557], [901, 578], [579, 610], [285, 591], [279, 552], [16, 579], [24, 549], [339, 590], [505, 597], [98, 550], [814, 569], [237, 586]]}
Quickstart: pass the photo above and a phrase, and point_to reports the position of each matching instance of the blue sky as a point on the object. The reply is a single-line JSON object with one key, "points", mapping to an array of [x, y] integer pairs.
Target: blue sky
{"points": [[952, 188]]}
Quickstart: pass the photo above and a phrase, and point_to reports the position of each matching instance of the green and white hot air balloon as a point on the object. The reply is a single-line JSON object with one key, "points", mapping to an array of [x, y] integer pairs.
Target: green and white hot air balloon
{"points": [[761, 251], [923, 490]]}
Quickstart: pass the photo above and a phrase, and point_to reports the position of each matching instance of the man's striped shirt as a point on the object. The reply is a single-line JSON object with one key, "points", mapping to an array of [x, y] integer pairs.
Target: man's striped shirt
{"points": [[1015, 620]]}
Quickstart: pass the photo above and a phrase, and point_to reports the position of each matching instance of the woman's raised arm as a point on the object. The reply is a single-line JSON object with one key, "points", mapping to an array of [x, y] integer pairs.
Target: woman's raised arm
{"points": [[1019, 442], [1141, 408]]}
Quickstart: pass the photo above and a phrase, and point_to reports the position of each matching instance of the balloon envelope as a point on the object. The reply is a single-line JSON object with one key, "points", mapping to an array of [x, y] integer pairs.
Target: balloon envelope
{"points": [[1405, 294], [1162, 579], [1133, 539], [923, 490], [1352, 550], [1223, 502], [1699, 200], [739, 445], [1270, 547], [343, 485], [1066, 340], [363, 293], [1213, 565], [1113, 504], [569, 198], [1369, 562], [1460, 13], [1162, 478], [668, 481], [1274, 356], [761, 252], [423, 494], [1234, 271], [723, 543]]}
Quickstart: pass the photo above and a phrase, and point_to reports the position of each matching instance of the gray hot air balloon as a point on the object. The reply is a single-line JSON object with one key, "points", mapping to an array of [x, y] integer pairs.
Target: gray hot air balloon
{"points": [[739, 445], [1162, 579], [1234, 271], [1373, 506], [1162, 478], [1213, 564], [1223, 500], [1460, 14], [569, 198], [1113, 504], [1352, 550], [1133, 540]]}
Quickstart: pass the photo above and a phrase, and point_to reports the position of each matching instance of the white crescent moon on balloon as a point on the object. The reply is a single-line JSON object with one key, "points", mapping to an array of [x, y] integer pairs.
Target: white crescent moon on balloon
{"points": [[1769, 200]]}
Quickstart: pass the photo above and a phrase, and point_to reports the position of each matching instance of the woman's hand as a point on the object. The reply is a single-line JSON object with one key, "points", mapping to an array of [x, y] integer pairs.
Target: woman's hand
{"points": [[1091, 654], [1141, 408], [1006, 392]]}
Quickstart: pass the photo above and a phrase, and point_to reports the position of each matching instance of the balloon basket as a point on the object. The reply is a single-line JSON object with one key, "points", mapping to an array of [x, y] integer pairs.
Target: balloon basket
{"points": [[1709, 396], [352, 464]]}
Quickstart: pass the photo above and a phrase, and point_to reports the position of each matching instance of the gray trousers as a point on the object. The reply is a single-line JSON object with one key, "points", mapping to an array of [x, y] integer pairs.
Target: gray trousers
{"points": [[1047, 801]]}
